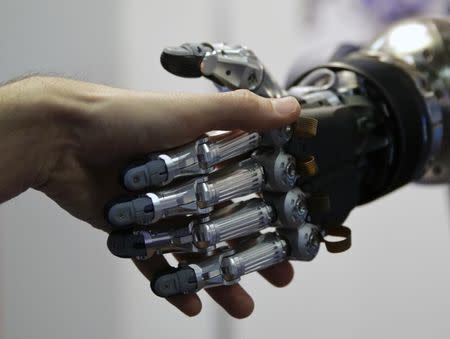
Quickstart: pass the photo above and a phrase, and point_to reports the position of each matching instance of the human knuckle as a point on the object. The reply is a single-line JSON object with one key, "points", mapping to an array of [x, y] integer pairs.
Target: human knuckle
{"points": [[248, 100]]}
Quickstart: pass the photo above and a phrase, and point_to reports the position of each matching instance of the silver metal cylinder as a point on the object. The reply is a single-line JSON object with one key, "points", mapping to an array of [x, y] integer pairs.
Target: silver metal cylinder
{"points": [[246, 178], [227, 148], [247, 218], [268, 250]]}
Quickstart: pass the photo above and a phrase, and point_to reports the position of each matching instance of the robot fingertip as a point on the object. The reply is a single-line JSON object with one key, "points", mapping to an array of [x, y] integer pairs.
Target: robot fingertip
{"points": [[181, 61], [139, 176], [174, 282], [117, 213], [126, 244]]}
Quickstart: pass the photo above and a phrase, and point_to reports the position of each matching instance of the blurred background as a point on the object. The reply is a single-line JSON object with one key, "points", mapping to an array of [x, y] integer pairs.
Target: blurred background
{"points": [[57, 279]]}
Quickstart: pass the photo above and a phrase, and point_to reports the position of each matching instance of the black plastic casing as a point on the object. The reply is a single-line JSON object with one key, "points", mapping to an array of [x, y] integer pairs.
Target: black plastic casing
{"points": [[347, 177]]}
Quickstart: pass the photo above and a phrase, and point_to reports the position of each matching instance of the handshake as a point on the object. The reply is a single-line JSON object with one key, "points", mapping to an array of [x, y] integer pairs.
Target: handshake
{"points": [[230, 203], [239, 202], [221, 193]]}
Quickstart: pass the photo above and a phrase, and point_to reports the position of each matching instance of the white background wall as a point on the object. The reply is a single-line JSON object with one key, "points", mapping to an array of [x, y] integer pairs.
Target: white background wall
{"points": [[57, 279]]}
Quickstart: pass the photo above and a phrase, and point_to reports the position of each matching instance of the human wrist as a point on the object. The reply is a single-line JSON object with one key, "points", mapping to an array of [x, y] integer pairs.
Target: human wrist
{"points": [[32, 133]]}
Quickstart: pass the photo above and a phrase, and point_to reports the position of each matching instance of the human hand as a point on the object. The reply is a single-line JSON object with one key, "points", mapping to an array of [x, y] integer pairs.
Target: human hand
{"points": [[76, 138]]}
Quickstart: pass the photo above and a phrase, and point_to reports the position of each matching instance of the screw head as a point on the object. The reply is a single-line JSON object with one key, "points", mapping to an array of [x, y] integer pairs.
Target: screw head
{"points": [[290, 169], [313, 243], [300, 210]]}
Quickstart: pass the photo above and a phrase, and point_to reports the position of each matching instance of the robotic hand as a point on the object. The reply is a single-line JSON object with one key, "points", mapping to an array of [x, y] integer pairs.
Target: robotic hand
{"points": [[370, 123]]}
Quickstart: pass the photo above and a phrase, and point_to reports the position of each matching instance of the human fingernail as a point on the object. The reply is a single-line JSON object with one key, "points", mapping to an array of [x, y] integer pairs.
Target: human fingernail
{"points": [[286, 105]]}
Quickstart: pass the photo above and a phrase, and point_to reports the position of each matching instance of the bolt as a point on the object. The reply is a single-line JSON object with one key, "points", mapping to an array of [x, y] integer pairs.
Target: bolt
{"points": [[300, 210], [290, 169], [313, 241]]}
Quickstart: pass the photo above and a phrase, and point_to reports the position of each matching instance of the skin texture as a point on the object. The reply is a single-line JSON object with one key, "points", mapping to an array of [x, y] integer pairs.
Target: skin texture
{"points": [[74, 138]]}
